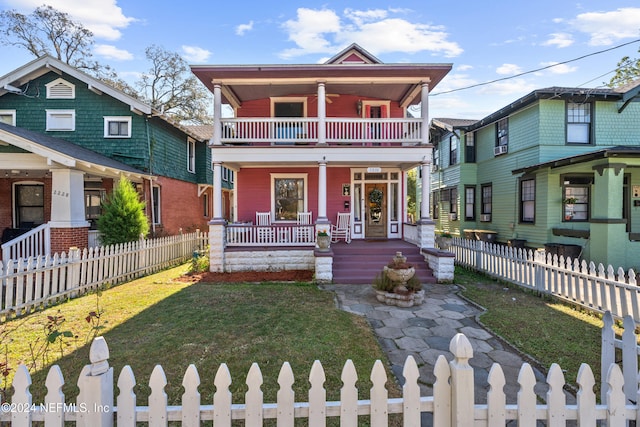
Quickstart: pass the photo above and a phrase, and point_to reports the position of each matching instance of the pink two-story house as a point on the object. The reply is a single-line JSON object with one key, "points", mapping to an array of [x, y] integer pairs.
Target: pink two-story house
{"points": [[323, 138]]}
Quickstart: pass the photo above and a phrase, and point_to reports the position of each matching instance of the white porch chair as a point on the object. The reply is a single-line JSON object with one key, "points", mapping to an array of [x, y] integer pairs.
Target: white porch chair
{"points": [[264, 232], [304, 230], [342, 228]]}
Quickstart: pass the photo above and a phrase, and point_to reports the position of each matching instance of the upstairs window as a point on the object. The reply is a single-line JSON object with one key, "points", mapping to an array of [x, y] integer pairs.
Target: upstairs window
{"points": [[60, 89], [453, 150], [502, 133], [117, 127], [578, 123], [61, 120], [470, 147], [191, 155], [436, 158], [8, 117]]}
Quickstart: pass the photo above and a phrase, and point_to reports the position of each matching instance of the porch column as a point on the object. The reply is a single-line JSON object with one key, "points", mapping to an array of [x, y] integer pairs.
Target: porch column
{"points": [[322, 113], [217, 224], [69, 226], [217, 113], [608, 229], [424, 111], [426, 227], [322, 192]]}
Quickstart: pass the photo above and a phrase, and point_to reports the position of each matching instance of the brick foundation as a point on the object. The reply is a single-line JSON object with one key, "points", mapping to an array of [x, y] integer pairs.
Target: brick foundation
{"points": [[64, 238]]}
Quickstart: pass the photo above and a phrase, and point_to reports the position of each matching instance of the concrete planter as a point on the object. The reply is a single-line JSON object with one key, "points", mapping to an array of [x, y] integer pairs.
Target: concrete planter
{"points": [[403, 300]]}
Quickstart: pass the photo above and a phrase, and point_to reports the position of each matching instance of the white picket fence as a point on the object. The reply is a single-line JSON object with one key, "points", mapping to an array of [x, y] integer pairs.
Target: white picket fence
{"points": [[578, 282], [452, 402], [28, 284]]}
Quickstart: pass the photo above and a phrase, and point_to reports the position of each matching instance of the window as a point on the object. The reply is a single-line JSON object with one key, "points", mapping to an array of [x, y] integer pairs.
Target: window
{"points": [[191, 155], [93, 198], [117, 127], [60, 89], [225, 174], [453, 150], [528, 200], [29, 202], [8, 117], [470, 144], [289, 195], [435, 196], [205, 205], [487, 191], [157, 218], [61, 120], [470, 203], [578, 123], [436, 158], [453, 200], [575, 200], [502, 132]]}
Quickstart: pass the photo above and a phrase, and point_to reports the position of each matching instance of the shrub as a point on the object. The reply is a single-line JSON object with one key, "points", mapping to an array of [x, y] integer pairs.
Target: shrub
{"points": [[123, 219]]}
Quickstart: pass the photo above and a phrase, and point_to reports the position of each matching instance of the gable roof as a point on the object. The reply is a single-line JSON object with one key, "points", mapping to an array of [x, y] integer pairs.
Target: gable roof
{"points": [[353, 54], [11, 82], [65, 153], [614, 152]]}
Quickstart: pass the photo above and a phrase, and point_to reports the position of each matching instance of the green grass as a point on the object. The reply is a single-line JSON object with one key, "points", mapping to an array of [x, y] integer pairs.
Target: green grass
{"points": [[159, 320], [544, 328]]}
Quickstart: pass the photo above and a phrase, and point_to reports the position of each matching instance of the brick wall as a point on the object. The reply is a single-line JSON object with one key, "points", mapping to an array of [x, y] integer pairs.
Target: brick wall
{"points": [[64, 238]]}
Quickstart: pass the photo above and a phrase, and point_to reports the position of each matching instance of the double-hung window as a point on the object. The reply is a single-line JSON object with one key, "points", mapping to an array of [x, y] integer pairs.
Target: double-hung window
{"points": [[191, 155], [487, 203], [453, 150], [528, 200], [502, 133], [578, 123], [470, 203], [470, 147], [576, 198]]}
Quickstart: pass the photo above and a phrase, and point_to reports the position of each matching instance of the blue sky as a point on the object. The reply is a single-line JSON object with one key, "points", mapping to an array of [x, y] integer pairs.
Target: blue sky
{"points": [[484, 41]]}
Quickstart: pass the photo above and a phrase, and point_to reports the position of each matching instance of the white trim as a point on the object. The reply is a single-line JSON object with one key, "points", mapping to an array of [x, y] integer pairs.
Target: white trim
{"points": [[54, 115], [109, 119], [376, 104], [274, 176], [289, 99], [191, 155], [52, 93], [9, 113]]}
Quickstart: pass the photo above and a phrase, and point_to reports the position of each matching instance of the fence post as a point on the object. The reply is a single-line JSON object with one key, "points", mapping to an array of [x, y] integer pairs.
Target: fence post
{"points": [[607, 352], [479, 248], [74, 269], [96, 388], [462, 387], [539, 259], [142, 255]]}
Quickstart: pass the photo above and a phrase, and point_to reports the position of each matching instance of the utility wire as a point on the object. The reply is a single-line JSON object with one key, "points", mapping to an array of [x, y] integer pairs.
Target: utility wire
{"points": [[534, 71]]}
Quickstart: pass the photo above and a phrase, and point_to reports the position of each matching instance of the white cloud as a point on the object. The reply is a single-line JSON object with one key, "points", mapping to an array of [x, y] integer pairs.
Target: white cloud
{"points": [[605, 28], [103, 17], [195, 53], [509, 69], [111, 52], [559, 40], [324, 31], [464, 67], [559, 68], [243, 28]]}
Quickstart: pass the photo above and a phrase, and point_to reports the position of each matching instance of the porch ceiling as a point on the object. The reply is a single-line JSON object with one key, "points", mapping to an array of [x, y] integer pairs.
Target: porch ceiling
{"points": [[404, 158], [393, 82]]}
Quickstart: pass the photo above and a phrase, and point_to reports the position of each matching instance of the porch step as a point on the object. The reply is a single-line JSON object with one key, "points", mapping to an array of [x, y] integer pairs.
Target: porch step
{"points": [[360, 261]]}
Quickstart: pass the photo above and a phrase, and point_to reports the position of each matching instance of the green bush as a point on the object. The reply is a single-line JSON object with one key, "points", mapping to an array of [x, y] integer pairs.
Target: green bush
{"points": [[123, 219]]}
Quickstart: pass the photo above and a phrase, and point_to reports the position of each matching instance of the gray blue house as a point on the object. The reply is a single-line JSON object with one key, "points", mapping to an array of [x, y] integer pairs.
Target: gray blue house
{"points": [[67, 137], [557, 168]]}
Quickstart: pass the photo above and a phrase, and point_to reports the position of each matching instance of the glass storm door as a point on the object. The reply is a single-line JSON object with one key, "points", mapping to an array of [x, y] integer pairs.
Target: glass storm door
{"points": [[375, 210]]}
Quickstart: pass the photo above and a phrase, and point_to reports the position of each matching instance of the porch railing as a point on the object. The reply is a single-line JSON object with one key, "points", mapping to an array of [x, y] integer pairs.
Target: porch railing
{"points": [[304, 131], [270, 235], [33, 243]]}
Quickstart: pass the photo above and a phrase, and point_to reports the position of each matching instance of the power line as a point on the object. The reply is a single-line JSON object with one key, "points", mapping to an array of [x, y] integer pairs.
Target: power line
{"points": [[534, 71]]}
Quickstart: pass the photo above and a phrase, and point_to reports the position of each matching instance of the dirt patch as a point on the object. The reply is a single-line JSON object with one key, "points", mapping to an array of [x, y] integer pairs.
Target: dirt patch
{"points": [[250, 276]]}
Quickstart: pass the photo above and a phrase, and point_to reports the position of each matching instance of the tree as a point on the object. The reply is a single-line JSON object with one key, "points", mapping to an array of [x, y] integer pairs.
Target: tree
{"points": [[169, 86], [628, 70], [123, 218]]}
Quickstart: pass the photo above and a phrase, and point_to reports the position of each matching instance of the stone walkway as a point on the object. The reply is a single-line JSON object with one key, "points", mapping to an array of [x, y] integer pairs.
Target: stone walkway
{"points": [[425, 332]]}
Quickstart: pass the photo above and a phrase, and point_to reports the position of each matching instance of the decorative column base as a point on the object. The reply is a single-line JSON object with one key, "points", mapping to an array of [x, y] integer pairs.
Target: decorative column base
{"points": [[324, 266], [217, 230], [426, 234]]}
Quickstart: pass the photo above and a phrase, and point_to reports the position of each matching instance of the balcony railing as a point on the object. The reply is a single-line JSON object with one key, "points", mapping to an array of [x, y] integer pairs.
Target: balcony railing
{"points": [[305, 131]]}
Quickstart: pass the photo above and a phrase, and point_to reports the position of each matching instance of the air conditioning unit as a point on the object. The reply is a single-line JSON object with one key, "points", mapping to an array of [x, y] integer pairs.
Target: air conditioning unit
{"points": [[485, 217], [500, 149], [453, 216]]}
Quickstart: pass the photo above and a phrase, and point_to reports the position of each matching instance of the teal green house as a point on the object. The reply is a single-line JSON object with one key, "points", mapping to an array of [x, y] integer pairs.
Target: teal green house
{"points": [[67, 137], [557, 169]]}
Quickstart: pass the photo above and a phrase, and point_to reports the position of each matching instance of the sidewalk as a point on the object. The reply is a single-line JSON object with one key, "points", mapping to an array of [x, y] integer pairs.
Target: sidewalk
{"points": [[425, 332]]}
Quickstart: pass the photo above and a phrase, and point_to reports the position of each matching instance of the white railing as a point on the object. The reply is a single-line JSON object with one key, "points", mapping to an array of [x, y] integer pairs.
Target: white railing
{"points": [[303, 131], [33, 243], [578, 282], [270, 235], [452, 402], [29, 284]]}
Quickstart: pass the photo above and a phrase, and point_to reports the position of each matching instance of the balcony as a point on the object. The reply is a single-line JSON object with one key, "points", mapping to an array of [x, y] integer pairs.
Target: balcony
{"points": [[263, 131]]}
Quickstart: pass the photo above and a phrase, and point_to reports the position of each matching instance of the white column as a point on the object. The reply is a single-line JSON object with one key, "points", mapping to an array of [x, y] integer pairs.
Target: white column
{"points": [[322, 192], [426, 190], [217, 113], [322, 114], [217, 191], [424, 110], [67, 199]]}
